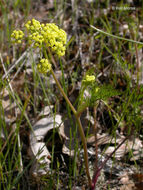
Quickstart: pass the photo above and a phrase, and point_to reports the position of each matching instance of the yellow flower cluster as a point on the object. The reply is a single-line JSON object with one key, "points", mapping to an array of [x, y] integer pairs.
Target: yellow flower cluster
{"points": [[89, 79], [55, 38], [48, 34], [33, 25], [44, 66], [17, 36]]}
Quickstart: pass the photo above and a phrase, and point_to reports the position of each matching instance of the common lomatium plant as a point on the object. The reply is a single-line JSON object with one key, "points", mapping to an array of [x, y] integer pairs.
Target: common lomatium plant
{"points": [[49, 35], [45, 36]]}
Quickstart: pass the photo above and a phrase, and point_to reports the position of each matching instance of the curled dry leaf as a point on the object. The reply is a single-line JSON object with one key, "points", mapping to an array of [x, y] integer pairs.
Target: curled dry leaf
{"points": [[38, 149]]}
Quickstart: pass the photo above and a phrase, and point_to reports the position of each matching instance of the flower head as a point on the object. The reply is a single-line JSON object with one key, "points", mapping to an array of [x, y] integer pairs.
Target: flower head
{"points": [[89, 78], [97, 89], [17, 36], [44, 66], [48, 34], [55, 38], [40, 34]]}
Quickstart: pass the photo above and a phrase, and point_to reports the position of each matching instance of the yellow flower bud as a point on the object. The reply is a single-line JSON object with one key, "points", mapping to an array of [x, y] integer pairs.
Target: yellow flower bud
{"points": [[44, 66], [97, 89], [89, 78], [17, 36]]}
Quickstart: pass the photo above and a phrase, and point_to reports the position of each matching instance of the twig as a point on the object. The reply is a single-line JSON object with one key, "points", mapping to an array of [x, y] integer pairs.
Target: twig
{"points": [[18, 70], [103, 164], [16, 63]]}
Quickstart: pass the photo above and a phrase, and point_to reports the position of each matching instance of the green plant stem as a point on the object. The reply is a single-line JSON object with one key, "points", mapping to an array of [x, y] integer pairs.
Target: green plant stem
{"points": [[85, 149], [80, 127], [63, 93], [114, 36], [95, 135], [138, 66]]}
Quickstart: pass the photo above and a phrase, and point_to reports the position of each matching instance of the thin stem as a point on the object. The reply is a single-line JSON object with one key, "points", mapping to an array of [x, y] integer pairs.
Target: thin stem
{"points": [[95, 135], [63, 93], [138, 66], [137, 59], [85, 150], [114, 36], [78, 121], [96, 175], [80, 127]]}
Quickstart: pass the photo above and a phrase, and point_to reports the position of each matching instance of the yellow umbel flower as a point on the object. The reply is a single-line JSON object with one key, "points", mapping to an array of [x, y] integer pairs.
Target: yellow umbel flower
{"points": [[89, 78], [48, 34], [17, 36], [43, 35], [55, 38], [44, 66]]}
